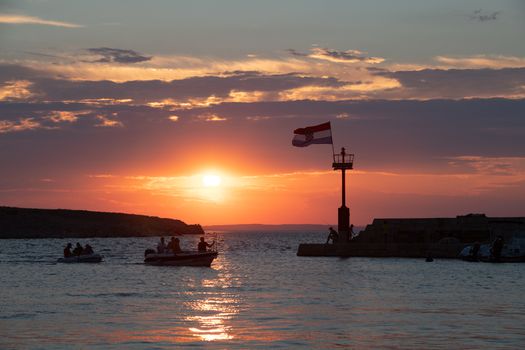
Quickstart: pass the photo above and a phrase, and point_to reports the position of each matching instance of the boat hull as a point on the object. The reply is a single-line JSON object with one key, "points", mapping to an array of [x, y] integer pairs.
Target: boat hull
{"points": [[504, 259], [92, 258], [181, 259], [512, 252]]}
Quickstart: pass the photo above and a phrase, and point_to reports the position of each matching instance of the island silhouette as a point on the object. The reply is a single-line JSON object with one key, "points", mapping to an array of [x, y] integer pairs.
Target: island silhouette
{"points": [[65, 223]]}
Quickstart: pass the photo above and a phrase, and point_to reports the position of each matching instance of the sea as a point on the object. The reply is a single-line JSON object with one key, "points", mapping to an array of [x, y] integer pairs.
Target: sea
{"points": [[257, 295]]}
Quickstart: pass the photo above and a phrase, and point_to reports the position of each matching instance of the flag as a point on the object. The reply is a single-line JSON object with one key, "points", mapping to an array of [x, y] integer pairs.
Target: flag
{"points": [[317, 134]]}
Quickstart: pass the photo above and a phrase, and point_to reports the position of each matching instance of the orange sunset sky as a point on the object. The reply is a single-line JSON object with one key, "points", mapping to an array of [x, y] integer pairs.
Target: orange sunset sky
{"points": [[187, 109]]}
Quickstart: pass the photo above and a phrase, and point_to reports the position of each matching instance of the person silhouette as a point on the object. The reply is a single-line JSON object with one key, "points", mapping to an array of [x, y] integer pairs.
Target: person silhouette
{"points": [[174, 245], [474, 251], [496, 248], [161, 246], [332, 235], [203, 245], [78, 249], [67, 250], [88, 250]]}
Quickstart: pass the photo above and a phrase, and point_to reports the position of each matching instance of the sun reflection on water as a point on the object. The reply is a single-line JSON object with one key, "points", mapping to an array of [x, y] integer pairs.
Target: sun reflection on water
{"points": [[212, 310], [211, 318]]}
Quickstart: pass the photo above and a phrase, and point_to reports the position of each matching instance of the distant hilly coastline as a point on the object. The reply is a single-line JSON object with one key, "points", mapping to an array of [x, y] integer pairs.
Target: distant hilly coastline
{"points": [[64, 223], [299, 228], [267, 228]]}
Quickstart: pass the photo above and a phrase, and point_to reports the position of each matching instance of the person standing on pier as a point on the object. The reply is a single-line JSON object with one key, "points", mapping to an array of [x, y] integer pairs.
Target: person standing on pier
{"points": [[497, 247]]}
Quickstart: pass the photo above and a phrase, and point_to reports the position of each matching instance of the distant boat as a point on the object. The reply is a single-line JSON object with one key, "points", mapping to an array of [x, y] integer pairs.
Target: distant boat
{"points": [[91, 258], [185, 258], [513, 251]]}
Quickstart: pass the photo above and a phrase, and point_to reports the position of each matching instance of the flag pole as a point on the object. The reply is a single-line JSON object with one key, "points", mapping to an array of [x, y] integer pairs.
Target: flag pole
{"points": [[332, 138]]}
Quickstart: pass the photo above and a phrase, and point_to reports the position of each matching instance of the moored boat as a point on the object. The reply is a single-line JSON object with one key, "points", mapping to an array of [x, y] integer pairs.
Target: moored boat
{"points": [[511, 252], [184, 258], [90, 258]]}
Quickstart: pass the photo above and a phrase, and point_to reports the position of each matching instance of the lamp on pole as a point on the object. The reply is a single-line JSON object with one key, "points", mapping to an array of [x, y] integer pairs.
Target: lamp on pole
{"points": [[343, 161]]}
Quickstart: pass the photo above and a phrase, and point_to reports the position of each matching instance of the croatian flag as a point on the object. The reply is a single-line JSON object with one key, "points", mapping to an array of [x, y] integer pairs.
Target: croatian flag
{"points": [[317, 134]]}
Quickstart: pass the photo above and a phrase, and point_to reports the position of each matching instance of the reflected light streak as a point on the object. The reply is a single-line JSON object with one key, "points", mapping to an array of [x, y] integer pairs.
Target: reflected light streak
{"points": [[213, 327]]}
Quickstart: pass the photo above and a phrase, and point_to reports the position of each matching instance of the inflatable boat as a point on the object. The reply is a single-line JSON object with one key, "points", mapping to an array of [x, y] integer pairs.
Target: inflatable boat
{"points": [[91, 258]]}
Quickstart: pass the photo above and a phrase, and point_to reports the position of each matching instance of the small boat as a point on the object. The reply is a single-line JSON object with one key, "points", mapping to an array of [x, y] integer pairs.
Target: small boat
{"points": [[91, 258], [512, 252], [184, 258]]}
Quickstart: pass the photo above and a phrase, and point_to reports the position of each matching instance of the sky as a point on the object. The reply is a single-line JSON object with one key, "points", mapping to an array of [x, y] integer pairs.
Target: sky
{"points": [[186, 109]]}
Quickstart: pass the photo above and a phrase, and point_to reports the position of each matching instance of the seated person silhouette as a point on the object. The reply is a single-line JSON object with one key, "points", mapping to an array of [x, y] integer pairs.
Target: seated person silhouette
{"points": [[67, 250], [174, 245], [78, 250], [333, 236], [161, 246], [88, 250]]}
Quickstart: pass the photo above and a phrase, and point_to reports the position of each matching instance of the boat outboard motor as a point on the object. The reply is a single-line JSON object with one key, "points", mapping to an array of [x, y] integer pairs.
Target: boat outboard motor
{"points": [[149, 251]]}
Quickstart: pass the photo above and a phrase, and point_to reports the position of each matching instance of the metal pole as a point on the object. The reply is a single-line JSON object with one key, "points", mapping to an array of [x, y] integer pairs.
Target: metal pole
{"points": [[333, 151], [344, 189], [343, 194]]}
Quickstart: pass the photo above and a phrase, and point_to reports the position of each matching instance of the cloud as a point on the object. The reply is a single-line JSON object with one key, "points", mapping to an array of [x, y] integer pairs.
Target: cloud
{"points": [[15, 90], [494, 166], [458, 83], [240, 86], [349, 56], [453, 77], [22, 19], [111, 55], [105, 122], [212, 118], [374, 87], [482, 16], [64, 116], [10, 73], [165, 68], [294, 52], [481, 61], [22, 124], [18, 117], [74, 66], [417, 132]]}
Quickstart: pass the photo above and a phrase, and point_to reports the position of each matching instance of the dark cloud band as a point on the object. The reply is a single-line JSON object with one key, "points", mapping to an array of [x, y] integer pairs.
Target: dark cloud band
{"points": [[117, 55]]}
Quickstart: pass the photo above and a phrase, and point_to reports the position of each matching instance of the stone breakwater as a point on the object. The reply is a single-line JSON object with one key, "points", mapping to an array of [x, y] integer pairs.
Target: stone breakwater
{"points": [[418, 238]]}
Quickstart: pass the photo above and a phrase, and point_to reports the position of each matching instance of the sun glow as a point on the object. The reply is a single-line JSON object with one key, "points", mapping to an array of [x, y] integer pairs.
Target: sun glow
{"points": [[211, 180]]}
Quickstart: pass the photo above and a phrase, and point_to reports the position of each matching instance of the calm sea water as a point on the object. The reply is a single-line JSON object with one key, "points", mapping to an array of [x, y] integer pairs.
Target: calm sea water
{"points": [[258, 294]]}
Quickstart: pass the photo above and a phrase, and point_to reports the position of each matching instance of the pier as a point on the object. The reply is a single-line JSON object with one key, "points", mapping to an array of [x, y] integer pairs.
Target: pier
{"points": [[410, 237], [342, 162]]}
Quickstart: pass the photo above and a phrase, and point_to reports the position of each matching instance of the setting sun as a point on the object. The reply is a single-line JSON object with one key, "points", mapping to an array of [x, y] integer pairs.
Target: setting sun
{"points": [[211, 180]]}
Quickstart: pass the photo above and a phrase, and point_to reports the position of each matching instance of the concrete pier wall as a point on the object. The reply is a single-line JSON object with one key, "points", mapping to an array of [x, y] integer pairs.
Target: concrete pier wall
{"points": [[405, 250], [418, 238]]}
